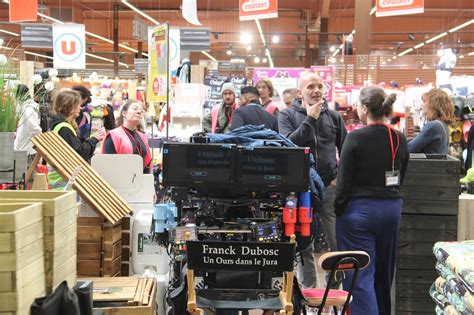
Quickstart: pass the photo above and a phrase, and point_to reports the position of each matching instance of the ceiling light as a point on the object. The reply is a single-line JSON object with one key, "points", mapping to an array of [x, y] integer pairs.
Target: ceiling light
{"points": [[245, 38], [389, 60], [436, 37], [228, 52], [394, 57], [256, 59], [454, 29], [146, 16], [10, 33], [405, 52], [105, 59], [275, 39], [38, 55], [461, 56], [471, 53], [372, 11], [332, 48], [262, 38], [419, 45], [440, 52], [248, 48], [208, 55], [264, 60]]}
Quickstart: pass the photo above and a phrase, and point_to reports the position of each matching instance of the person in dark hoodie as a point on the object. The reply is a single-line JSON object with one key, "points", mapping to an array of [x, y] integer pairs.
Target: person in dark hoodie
{"points": [[309, 123], [251, 111], [67, 107]]}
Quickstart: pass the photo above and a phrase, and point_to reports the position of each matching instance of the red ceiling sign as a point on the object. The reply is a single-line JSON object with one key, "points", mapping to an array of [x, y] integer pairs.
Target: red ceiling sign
{"points": [[399, 7], [257, 9], [23, 10]]}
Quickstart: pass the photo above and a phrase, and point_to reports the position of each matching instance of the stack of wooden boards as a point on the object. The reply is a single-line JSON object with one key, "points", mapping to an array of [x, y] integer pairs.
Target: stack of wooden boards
{"points": [[431, 197], [102, 198], [99, 245], [125, 295], [59, 214], [22, 277]]}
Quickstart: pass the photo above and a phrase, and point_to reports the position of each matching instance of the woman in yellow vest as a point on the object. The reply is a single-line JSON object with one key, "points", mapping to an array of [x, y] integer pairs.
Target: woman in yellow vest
{"points": [[67, 107]]}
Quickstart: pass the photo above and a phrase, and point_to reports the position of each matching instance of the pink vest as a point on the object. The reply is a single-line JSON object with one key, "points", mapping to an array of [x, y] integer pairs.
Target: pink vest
{"points": [[123, 145], [215, 116], [271, 107]]}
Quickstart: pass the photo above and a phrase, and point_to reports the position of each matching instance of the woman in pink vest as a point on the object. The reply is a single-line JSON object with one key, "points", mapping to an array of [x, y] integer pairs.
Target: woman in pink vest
{"points": [[126, 139], [265, 88]]}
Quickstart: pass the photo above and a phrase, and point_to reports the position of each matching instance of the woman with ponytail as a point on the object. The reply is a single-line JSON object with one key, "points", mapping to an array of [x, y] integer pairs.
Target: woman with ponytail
{"points": [[67, 107], [368, 199]]}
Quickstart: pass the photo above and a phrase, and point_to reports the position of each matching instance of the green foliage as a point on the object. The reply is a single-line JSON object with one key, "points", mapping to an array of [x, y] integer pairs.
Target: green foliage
{"points": [[8, 104]]}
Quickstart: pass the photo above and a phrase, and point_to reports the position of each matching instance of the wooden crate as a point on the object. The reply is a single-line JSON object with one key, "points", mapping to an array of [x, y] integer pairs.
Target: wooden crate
{"points": [[431, 197], [59, 225], [466, 218], [99, 247], [22, 271], [125, 295]]}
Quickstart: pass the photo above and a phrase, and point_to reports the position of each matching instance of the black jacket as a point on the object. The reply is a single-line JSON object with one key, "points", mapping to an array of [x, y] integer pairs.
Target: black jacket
{"points": [[84, 148], [253, 114], [328, 130]]}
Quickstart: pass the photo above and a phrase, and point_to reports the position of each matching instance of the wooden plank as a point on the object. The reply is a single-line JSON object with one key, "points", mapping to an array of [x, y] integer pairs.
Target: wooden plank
{"points": [[54, 259], [55, 276], [7, 242], [431, 193], [112, 234], [59, 222], [89, 268], [416, 262], [431, 166], [413, 290], [61, 238], [89, 251], [111, 267], [429, 222], [16, 216], [148, 290], [414, 235], [112, 251], [466, 218], [416, 276], [89, 234], [10, 281], [54, 202], [132, 310], [431, 207], [22, 257], [137, 298], [90, 221], [431, 180], [12, 301], [418, 249]]}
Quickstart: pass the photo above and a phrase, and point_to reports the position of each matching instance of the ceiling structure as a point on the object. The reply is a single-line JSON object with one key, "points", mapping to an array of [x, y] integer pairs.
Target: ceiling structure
{"points": [[298, 26]]}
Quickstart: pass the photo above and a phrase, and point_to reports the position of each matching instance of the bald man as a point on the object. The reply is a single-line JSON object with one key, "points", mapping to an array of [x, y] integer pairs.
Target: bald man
{"points": [[309, 123]]}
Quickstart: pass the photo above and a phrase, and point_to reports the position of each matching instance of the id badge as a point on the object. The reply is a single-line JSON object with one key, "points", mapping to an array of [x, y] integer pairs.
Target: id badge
{"points": [[392, 178]]}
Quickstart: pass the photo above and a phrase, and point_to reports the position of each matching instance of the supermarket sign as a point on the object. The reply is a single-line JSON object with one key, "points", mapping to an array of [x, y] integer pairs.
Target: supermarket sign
{"points": [[257, 9], [399, 7]]}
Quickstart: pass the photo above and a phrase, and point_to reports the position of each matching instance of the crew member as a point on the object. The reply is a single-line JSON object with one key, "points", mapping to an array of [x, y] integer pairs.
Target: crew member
{"points": [[251, 112], [219, 119]]}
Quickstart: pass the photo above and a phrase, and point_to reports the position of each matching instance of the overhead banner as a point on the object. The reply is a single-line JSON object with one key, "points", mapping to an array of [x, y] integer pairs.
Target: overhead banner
{"points": [[399, 7], [69, 49], [257, 9], [23, 10], [195, 39], [158, 51], [36, 35]]}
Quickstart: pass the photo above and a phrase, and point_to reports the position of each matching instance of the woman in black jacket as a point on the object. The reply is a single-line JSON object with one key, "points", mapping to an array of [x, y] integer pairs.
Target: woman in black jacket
{"points": [[368, 199]]}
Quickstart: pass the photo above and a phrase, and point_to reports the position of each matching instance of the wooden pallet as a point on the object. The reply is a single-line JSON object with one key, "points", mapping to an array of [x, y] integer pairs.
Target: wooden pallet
{"points": [[102, 198], [128, 295]]}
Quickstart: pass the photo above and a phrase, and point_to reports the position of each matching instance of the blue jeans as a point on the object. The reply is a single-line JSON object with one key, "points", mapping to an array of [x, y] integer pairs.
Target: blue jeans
{"points": [[371, 225]]}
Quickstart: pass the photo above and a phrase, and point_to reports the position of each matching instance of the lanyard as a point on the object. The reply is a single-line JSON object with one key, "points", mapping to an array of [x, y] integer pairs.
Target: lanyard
{"points": [[134, 141], [393, 149]]}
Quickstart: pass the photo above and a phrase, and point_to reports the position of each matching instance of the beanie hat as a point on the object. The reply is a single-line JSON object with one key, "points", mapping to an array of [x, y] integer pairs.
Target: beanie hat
{"points": [[228, 86]]}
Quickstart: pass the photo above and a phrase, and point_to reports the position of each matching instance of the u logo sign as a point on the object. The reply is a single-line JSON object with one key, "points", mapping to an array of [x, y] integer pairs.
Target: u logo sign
{"points": [[68, 50]]}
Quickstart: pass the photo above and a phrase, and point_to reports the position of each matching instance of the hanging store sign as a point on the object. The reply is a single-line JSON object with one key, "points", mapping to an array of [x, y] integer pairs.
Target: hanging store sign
{"points": [[140, 66], [140, 29], [69, 49], [399, 7], [36, 35], [257, 9], [23, 10], [158, 52], [195, 39]]}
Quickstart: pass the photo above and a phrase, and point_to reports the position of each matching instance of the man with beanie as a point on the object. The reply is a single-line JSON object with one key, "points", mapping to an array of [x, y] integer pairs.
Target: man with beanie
{"points": [[251, 111], [219, 119], [310, 123]]}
